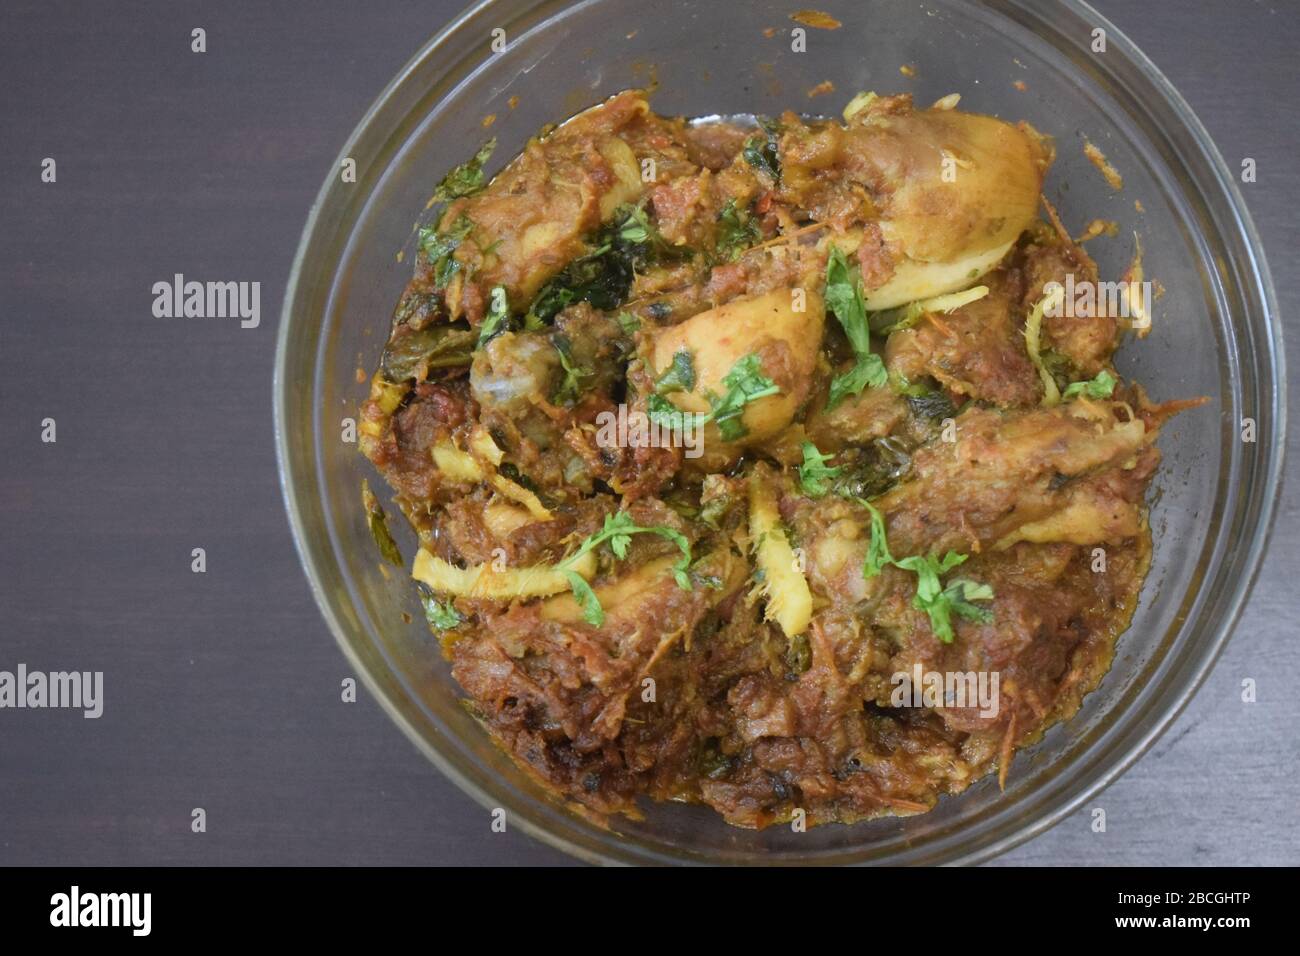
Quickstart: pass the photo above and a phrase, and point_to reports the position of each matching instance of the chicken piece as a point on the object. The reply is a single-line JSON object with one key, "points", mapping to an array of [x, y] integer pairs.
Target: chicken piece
{"points": [[1086, 337], [532, 219], [556, 691], [783, 329], [977, 350], [858, 420], [951, 192], [1007, 470]]}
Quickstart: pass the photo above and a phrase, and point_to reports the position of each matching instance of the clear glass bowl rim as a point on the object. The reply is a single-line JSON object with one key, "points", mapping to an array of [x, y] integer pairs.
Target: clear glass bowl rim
{"points": [[1109, 764]]}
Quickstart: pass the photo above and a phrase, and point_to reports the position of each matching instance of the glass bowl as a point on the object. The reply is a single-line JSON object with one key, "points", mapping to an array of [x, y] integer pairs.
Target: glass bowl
{"points": [[1215, 333]]}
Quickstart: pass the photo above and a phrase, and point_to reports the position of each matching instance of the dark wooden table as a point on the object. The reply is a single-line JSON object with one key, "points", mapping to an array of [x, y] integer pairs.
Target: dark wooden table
{"points": [[222, 689]]}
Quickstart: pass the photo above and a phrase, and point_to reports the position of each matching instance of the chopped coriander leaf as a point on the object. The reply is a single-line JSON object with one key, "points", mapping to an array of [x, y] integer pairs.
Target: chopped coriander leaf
{"points": [[1103, 386], [745, 383], [592, 612], [631, 228], [378, 523], [467, 178], [617, 532], [737, 231], [845, 299], [868, 372], [628, 322], [679, 376], [444, 617], [814, 473], [930, 596], [938, 602], [497, 317], [960, 592], [636, 227], [730, 427], [878, 550]]}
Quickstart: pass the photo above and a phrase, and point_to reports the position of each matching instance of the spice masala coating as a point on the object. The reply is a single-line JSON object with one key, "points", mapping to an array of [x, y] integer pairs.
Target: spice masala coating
{"points": [[860, 439]]}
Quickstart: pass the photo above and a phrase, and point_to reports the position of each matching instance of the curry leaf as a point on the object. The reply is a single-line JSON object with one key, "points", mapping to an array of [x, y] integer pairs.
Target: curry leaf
{"points": [[378, 523], [762, 152], [467, 178], [497, 316], [737, 231], [439, 248], [602, 277]]}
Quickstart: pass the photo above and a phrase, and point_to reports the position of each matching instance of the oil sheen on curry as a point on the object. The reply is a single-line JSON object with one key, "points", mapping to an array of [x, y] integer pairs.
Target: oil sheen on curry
{"points": [[757, 464]]}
